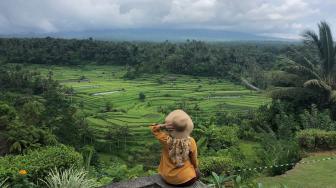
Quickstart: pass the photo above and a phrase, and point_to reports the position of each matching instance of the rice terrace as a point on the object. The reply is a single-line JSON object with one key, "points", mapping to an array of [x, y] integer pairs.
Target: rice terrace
{"points": [[101, 87], [167, 93]]}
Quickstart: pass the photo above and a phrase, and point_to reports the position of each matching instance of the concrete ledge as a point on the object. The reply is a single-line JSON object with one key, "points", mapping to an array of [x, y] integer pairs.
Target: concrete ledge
{"points": [[150, 182]]}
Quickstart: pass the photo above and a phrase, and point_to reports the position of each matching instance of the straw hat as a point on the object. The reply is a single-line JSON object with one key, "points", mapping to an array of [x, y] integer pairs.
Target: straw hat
{"points": [[182, 122]]}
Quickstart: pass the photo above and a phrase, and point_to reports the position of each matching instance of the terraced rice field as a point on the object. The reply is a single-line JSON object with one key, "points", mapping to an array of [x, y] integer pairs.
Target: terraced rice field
{"points": [[104, 84]]}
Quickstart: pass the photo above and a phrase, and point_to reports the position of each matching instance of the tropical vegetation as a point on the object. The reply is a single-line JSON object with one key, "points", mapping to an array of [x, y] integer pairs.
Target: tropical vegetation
{"points": [[75, 113]]}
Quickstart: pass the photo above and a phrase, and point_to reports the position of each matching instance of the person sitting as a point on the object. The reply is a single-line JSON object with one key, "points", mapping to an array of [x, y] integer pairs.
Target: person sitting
{"points": [[178, 164]]}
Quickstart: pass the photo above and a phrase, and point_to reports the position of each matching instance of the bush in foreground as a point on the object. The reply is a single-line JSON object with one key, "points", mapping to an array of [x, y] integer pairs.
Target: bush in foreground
{"points": [[316, 139], [216, 164], [37, 163]]}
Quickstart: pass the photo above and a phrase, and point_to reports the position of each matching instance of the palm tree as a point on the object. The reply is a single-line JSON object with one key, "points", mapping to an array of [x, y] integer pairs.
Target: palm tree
{"points": [[317, 78], [324, 43]]}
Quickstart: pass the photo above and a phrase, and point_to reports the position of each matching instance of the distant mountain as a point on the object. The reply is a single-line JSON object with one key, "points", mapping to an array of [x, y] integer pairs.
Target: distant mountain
{"points": [[157, 35]]}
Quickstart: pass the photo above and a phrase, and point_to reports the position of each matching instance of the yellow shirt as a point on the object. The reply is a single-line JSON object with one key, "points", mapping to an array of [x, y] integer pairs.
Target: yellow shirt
{"points": [[167, 169]]}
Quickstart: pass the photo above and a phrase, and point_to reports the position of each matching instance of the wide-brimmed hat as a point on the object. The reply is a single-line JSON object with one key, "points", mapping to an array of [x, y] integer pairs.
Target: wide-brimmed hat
{"points": [[181, 121]]}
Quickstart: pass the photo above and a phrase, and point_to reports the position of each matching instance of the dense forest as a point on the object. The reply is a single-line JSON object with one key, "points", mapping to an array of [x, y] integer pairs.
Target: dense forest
{"points": [[227, 60], [43, 129]]}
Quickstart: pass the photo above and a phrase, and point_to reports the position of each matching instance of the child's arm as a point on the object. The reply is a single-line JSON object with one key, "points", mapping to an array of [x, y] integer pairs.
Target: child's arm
{"points": [[158, 133], [193, 155]]}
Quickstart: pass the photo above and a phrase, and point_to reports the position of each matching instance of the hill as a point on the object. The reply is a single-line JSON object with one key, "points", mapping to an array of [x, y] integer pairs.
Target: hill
{"points": [[157, 35]]}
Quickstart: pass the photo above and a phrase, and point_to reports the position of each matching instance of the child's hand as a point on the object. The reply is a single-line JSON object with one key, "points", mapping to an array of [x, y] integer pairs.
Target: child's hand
{"points": [[167, 126], [198, 173]]}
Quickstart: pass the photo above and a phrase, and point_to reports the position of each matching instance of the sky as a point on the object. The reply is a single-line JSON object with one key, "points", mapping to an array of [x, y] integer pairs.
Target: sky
{"points": [[272, 18]]}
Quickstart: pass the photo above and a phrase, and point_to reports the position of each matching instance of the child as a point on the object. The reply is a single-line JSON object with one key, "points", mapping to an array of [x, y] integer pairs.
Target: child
{"points": [[178, 165]]}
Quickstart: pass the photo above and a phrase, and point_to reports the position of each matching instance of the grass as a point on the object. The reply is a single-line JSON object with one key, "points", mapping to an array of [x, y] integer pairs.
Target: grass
{"points": [[312, 175]]}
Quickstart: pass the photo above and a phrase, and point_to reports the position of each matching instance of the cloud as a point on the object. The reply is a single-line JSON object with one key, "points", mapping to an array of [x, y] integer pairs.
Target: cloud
{"points": [[271, 17]]}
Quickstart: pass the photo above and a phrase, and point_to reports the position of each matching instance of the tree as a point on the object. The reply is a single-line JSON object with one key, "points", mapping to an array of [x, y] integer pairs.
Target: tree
{"points": [[7, 116], [315, 77], [142, 96], [32, 112], [108, 106]]}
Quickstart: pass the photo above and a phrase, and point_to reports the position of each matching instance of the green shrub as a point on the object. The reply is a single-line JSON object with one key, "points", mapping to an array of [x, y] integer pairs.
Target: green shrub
{"points": [[215, 138], [314, 119], [216, 164], [142, 96], [3, 183], [38, 162], [316, 139], [275, 152]]}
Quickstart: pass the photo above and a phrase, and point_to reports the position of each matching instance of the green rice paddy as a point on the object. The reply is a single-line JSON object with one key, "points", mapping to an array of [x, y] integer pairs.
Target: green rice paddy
{"points": [[104, 84]]}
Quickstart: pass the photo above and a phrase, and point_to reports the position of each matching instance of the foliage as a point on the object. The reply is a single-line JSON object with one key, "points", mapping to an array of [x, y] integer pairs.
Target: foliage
{"points": [[314, 119], [38, 162], [118, 133], [280, 119], [324, 44], [276, 119], [216, 164], [218, 181], [315, 76], [315, 139], [34, 111], [132, 73], [108, 107], [22, 181], [23, 138], [142, 96], [234, 181], [3, 183], [216, 137], [274, 152], [191, 57], [68, 178]]}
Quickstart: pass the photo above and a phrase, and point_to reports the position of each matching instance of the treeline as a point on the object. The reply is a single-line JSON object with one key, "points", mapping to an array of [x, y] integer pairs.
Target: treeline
{"points": [[227, 60]]}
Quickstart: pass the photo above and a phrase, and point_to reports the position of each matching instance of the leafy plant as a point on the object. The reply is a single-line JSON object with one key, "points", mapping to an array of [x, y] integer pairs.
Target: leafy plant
{"points": [[216, 137], [217, 164], [234, 181], [69, 178], [317, 79], [3, 183], [314, 119], [217, 181], [275, 152], [142, 96]]}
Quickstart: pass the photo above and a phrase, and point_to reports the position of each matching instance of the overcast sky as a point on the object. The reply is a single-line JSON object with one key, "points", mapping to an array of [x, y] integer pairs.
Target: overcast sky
{"points": [[278, 18]]}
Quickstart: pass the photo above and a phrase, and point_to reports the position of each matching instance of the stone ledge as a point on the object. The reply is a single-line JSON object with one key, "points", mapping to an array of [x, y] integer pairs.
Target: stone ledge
{"points": [[150, 182]]}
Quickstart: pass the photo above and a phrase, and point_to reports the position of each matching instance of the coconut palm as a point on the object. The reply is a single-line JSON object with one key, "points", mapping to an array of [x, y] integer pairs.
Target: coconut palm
{"points": [[316, 77], [324, 44]]}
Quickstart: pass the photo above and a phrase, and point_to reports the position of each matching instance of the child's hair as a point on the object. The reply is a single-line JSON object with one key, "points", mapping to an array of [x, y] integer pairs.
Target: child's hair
{"points": [[178, 150]]}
